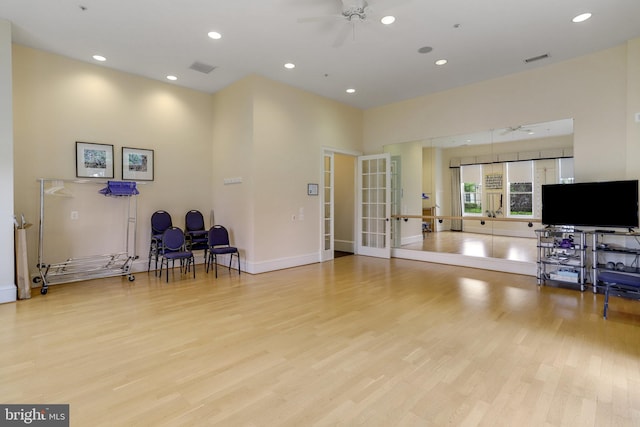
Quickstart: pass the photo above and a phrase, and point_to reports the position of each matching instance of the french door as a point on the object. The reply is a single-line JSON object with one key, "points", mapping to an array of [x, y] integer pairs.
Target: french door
{"points": [[327, 206], [373, 229]]}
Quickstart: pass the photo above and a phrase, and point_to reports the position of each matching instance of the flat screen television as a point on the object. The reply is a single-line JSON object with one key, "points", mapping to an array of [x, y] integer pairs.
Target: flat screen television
{"points": [[591, 204]]}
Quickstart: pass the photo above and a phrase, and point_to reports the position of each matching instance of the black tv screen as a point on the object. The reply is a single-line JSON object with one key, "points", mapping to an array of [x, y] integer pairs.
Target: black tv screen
{"points": [[591, 204]]}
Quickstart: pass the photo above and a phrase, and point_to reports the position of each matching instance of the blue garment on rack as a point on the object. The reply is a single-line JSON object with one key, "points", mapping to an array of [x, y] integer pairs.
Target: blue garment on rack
{"points": [[120, 188]]}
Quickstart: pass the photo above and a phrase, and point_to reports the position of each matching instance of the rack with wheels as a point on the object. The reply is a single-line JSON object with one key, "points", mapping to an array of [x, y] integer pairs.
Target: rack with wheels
{"points": [[561, 256], [71, 269]]}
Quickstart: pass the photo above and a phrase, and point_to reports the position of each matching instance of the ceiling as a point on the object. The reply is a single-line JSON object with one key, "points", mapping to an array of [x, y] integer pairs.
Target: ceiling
{"points": [[480, 39]]}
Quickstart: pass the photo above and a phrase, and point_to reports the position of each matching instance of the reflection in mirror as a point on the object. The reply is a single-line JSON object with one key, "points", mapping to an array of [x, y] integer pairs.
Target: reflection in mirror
{"points": [[478, 194]]}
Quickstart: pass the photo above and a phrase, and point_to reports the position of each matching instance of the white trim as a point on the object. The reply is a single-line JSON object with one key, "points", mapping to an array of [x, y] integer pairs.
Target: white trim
{"points": [[279, 263], [345, 245], [8, 293], [493, 264], [411, 239], [342, 151]]}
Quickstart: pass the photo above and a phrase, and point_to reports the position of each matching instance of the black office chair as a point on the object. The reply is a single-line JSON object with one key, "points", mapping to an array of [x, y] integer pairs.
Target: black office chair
{"points": [[174, 248], [219, 245], [160, 221], [195, 232]]}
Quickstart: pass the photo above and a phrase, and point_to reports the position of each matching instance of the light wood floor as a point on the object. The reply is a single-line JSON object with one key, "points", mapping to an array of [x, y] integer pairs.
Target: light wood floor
{"points": [[355, 341]]}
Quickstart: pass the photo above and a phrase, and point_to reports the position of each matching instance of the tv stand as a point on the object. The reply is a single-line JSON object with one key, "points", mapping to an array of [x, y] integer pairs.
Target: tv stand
{"points": [[562, 256]]}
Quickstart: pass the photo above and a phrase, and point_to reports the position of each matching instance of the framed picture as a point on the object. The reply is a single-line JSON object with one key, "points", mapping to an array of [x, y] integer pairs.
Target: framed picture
{"points": [[137, 164], [94, 160], [312, 189]]}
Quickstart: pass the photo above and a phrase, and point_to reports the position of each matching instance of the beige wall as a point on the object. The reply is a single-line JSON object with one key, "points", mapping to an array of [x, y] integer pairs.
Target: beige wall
{"points": [[58, 101], [289, 128], [591, 89], [271, 135]]}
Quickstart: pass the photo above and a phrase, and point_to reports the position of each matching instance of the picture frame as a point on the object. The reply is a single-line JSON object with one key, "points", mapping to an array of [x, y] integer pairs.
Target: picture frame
{"points": [[94, 160], [312, 189], [137, 164]]}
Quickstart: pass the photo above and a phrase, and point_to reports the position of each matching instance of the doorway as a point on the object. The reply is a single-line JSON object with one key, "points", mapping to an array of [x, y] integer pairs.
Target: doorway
{"points": [[338, 204]]}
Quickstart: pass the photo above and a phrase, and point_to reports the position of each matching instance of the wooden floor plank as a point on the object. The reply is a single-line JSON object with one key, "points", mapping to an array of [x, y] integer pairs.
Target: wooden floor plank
{"points": [[353, 341]]}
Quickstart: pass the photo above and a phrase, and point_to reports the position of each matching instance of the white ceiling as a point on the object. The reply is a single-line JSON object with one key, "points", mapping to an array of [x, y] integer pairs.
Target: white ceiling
{"points": [[481, 39]]}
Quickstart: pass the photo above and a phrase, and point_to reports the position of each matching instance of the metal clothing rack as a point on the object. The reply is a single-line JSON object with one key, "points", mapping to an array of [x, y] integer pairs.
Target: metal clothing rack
{"points": [[89, 267]]}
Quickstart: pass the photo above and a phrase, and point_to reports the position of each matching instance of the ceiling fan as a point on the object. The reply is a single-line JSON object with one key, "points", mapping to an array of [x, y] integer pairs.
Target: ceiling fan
{"points": [[520, 128], [353, 12]]}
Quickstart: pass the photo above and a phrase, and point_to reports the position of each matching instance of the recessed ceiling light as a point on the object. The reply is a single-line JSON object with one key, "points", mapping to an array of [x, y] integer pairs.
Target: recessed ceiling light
{"points": [[172, 78], [425, 49], [388, 20], [441, 61], [351, 90], [99, 58], [582, 17], [215, 35], [290, 65]]}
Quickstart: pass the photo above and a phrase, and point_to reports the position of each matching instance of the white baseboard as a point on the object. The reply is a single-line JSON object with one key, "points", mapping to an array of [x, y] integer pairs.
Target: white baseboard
{"points": [[280, 263], [344, 245], [8, 293], [493, 264], [411, 239]]}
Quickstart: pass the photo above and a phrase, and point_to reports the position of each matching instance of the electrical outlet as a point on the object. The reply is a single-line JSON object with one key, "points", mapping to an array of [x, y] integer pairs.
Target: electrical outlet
{"points": [[74, 215]]}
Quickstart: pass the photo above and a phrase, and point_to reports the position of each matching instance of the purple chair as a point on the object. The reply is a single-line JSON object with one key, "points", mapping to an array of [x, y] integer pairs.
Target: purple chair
{"points": [[160, 221], [173, 248], [195, 232], [219, 245]]}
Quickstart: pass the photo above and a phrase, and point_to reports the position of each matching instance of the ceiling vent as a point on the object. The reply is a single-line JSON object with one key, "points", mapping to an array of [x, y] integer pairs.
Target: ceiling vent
{"points": [[536, 58], [201, 67]]}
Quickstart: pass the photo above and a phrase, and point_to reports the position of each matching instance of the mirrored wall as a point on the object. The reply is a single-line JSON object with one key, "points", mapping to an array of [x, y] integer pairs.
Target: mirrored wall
{"points": [[477, 195]]}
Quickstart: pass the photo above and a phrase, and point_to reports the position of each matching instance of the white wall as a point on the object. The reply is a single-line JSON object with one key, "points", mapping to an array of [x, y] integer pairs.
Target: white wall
{"points": [[7, 269]]}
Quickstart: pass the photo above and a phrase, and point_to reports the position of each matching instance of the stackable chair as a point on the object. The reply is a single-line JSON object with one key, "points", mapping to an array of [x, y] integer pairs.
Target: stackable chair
{"points": [[219, 245], [195, 232], [160, 221], [174, 248]]}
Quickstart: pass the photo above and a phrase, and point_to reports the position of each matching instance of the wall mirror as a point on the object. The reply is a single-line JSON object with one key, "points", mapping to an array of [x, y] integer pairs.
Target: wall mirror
{"points": [[482, 190]]}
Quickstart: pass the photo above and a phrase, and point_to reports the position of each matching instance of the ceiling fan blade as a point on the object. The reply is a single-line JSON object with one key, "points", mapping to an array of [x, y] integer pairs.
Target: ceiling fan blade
{"points": [[344, 33], [322, 18]]}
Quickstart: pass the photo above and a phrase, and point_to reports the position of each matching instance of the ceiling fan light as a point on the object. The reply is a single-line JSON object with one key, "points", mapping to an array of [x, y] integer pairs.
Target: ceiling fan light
{"points": [[581, 18], [388, 20]]}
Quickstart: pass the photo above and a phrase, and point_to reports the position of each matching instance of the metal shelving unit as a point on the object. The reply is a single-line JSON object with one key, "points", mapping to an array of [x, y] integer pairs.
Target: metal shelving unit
{"points": [[562, 256]]}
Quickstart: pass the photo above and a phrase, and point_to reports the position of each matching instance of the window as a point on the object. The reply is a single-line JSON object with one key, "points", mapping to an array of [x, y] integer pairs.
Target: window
{"points": [[520, 179], [471, 183], [565, 167]]}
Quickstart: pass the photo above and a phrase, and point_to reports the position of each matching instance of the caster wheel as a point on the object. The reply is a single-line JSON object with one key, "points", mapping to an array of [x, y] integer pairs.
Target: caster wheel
{"points": [[132, 278], [36, 279], [43, 291]]}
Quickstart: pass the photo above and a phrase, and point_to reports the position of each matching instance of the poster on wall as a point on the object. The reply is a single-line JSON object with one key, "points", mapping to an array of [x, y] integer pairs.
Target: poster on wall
{"points": [[94, 160], [137, 164]]}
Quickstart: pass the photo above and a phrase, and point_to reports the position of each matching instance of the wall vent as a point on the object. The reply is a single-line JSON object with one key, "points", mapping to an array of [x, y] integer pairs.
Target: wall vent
{"points": [[536, 58], [201, 67]]}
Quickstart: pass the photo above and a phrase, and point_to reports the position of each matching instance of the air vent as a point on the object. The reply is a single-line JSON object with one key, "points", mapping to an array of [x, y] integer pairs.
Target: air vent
{"points": [[203, 68], [536, 58]]}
